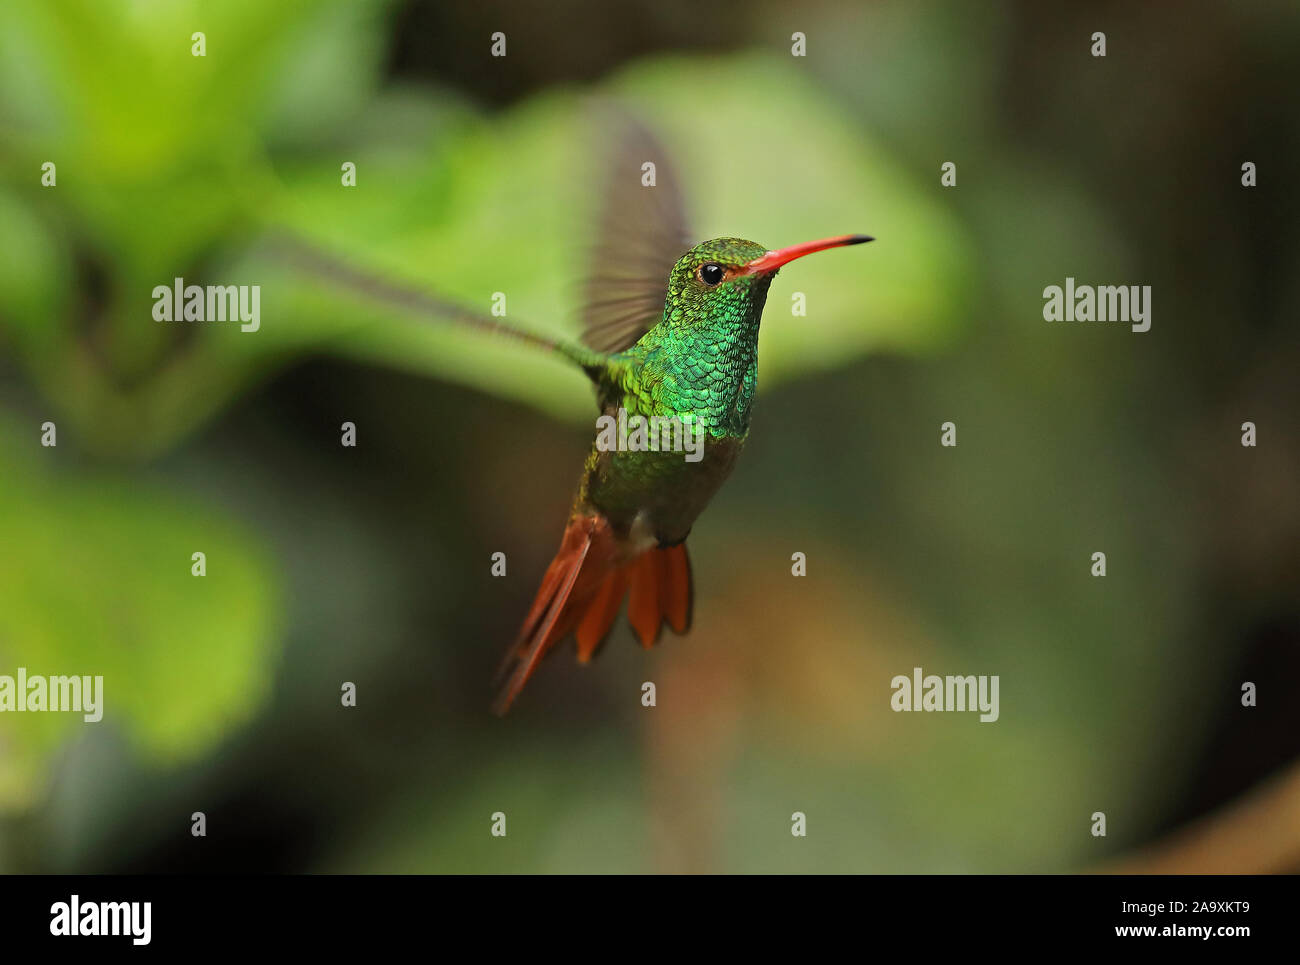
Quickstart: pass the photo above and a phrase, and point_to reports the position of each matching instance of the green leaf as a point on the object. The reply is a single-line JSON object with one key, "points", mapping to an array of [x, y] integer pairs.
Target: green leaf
{"points": [[507, 206], [95, 579]]}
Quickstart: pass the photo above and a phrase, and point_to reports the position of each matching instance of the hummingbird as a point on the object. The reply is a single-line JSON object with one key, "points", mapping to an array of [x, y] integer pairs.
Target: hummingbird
{"points": [[626, 533], [670, 330]]}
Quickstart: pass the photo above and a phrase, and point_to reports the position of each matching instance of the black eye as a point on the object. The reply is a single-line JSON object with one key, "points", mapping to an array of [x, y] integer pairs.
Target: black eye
{"points": [[711, 274]]}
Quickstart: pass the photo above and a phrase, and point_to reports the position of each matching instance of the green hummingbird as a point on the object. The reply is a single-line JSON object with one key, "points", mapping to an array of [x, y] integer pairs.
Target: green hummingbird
{"points": [[626, 533], [670, 332]]}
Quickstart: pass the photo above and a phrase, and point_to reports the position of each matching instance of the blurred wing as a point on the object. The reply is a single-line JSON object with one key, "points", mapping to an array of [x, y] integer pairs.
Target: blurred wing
{"points": [[311, 259], [641, 235]]}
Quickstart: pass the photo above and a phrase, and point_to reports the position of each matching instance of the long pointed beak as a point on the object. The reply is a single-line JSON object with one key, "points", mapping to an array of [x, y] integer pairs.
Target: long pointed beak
{"points": [[772, 260]]}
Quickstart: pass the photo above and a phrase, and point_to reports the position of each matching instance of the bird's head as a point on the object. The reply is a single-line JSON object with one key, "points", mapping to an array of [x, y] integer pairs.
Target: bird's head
{"points": [[725, 281]]}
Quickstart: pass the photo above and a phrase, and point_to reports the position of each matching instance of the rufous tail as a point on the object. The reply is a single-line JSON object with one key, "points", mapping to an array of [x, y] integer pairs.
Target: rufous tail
{"points": [[582, 592]]}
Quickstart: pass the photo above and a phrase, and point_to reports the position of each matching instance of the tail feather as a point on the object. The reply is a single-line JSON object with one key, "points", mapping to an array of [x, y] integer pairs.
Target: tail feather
{"points": [[600, 616], [680, 594], [562, 592], [645, 601], [581, 594]]}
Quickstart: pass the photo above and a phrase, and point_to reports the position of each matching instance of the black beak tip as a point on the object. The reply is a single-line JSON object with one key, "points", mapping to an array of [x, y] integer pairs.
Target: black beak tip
{"points": [[859, 239]]}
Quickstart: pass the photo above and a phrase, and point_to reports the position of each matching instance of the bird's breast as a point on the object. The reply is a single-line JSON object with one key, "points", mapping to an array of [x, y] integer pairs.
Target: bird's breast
{"points": [[663, 492]]}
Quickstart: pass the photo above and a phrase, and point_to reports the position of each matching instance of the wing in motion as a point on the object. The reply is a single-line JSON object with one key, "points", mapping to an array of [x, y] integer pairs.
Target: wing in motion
{"points": [[641, 234]]}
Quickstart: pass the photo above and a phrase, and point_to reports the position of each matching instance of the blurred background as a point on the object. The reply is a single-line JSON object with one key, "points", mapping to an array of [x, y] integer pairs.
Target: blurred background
{"points": [[371, 564]]}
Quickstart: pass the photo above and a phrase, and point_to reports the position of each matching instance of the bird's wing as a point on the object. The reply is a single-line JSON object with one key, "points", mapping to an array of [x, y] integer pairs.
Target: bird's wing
{"points": [[641, 234], [309, 258]]}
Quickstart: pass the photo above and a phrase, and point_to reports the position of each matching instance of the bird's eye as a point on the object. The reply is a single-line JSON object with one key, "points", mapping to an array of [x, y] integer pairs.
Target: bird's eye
{"points": [[711, 274]]}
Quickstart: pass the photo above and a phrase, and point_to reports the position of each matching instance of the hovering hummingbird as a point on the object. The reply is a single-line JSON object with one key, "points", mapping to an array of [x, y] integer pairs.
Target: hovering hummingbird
{"points": [[670, 331]]}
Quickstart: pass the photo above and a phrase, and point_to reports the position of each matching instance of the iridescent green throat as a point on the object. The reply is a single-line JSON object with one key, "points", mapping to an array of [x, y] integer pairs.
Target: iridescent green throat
{"points": [[701, 359]]}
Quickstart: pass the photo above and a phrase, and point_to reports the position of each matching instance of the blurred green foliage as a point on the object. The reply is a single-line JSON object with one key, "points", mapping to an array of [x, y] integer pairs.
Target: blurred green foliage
{"points": [[94, 580], [171, 165]]}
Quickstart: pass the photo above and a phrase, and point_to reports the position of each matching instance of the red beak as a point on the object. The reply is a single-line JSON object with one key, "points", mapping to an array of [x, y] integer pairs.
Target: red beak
{"points": [[773, 260]]}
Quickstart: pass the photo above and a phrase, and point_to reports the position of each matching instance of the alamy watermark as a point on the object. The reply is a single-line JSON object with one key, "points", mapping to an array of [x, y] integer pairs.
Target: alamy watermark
{"points": [[76, 694], [179, 302], [129, 919], [930, 692], [638, 433], [1100, 303]]}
